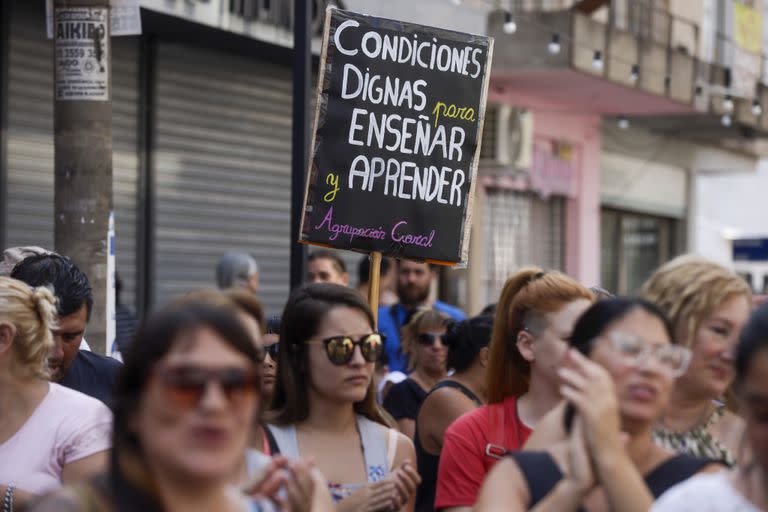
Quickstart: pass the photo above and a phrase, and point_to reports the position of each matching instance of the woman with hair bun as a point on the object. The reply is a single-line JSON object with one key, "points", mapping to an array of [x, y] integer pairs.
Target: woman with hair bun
{"points": [[49, 434], [464, 391], [534, 318], [708, 305]]}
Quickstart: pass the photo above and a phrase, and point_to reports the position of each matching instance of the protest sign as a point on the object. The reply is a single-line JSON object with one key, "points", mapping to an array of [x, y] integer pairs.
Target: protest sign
{"points": [[399, 118]]}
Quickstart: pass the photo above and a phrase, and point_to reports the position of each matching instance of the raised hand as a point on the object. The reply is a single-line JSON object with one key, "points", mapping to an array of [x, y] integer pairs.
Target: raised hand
{"points": [[589, 387], [581, 473]]}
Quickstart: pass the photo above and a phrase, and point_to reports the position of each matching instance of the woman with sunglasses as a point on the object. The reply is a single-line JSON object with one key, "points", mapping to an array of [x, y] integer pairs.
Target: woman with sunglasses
{"points": [[250, 312], [49, 435], [453, 396], [534, 317], [270, 340], [324, 406], [422, 341], [708, 305], [184, 404], [617, 380], [745, 487]]}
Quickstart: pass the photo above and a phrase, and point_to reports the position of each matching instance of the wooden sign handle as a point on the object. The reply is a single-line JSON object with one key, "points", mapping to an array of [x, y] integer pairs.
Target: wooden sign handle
{"points": [[374, 281]]}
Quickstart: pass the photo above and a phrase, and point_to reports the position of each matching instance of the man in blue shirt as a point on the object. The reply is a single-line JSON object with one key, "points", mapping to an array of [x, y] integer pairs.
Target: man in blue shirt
{"points": [[81, 370], [414, 281]]}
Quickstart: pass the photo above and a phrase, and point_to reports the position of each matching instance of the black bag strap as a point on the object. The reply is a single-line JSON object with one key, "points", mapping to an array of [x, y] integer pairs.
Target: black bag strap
{"points": [[540, 471], [274, 449], [461, 387], [674, 470]]}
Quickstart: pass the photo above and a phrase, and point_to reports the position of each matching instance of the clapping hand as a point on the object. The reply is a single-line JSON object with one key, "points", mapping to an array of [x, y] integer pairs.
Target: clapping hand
{"points": [[387, 495], [289, 485]]}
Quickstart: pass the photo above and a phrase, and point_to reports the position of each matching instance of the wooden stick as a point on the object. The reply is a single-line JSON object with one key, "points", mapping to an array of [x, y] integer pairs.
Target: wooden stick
{"points": [[374, 280]]}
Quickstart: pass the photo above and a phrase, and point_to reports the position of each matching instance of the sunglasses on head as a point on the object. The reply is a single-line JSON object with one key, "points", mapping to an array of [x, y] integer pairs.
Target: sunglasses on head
{"points": [[341, 349], [272, 350], [428, 338], [185, 386]]}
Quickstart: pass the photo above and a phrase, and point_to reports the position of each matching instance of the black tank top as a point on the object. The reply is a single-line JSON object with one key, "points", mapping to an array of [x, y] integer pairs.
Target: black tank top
{"points": [[428, 463], [542, 473]]}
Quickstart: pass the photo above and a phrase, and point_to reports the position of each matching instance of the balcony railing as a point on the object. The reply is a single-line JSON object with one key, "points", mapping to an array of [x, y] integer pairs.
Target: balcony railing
{"points": [[641, 18]]}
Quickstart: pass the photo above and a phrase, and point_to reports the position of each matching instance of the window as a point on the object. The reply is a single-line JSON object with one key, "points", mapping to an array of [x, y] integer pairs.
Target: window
{"points": [[632, 247], [520, 229]]}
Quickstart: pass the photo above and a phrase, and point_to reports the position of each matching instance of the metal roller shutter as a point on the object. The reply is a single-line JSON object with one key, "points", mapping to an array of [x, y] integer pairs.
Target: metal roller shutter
{"points": [[222, 169], [30, 141], [125, 159]]}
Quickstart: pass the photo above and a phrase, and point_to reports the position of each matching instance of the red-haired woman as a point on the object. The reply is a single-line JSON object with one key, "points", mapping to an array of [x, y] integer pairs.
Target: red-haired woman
{"points": [[535, 315]]}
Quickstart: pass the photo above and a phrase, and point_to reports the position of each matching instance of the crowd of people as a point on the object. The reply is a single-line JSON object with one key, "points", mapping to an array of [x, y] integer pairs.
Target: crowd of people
{"points": [[556, 397]]}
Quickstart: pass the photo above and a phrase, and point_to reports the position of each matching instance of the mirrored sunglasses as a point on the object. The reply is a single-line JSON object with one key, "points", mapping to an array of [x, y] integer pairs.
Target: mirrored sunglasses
{"points": [[341, 349]]}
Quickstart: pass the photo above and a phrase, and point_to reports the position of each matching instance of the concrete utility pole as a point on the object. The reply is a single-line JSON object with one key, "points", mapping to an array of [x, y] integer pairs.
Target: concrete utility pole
{"points": [[82, 116]]}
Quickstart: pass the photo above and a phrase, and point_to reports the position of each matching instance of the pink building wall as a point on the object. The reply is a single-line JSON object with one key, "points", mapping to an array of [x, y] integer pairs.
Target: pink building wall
{"points": [[582, 216]]}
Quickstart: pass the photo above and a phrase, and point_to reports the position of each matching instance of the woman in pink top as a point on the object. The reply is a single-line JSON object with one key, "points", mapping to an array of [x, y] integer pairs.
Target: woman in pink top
{"points": [[49, 434]]}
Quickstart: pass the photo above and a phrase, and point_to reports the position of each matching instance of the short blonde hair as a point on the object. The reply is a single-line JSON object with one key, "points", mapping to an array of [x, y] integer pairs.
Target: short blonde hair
{"points": [[426, 318], [32, 311], [689, 289]]}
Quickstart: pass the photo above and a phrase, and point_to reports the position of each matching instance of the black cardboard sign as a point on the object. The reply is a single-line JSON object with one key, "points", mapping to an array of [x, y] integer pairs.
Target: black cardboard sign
{"points": [[399, 118]]}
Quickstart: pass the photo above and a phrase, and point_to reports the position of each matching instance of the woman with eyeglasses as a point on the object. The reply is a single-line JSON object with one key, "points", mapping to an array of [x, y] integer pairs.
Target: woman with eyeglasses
{"points": [[534, 317], [184, 405], [49, 435], [617, 380], [453, 396], [708, 306], [324, 405], [745, 487], [422, 341]]}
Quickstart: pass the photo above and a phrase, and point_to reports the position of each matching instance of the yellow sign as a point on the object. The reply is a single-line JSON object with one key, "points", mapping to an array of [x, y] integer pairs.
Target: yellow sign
{"points": [[748, 30]]}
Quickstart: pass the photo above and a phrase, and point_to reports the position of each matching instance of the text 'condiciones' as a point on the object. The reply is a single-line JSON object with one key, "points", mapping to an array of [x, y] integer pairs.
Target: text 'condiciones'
{"points": [[418, 135]]}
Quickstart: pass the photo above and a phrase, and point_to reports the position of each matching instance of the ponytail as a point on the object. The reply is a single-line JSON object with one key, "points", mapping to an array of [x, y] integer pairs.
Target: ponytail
{"points": [[527, 295]]}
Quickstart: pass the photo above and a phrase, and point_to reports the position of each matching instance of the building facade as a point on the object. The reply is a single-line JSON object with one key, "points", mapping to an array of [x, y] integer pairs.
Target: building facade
{"points": [[201, 137], [598, 123]]}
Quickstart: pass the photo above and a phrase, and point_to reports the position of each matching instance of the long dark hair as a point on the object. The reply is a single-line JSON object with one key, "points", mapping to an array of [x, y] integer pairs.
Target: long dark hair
{"points": [[303, 313], [754, 338], [603, 313], [155, 338], [595, 320]]}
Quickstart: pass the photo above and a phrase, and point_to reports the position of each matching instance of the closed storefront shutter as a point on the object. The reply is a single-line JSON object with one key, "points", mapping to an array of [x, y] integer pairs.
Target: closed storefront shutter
{"points": [[222, 169], [30, 140], [520, 229]]}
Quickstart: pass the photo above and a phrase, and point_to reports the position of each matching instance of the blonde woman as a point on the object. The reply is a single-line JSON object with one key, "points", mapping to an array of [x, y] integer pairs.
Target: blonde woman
{"points": [[708, 306], [745, 487], [423, 343], [49, 434]]}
